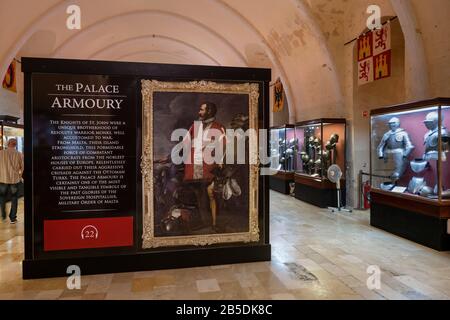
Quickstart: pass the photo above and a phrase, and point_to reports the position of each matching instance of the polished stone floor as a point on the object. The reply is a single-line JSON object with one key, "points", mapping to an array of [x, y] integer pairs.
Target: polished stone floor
{"points": [[316, 255]]}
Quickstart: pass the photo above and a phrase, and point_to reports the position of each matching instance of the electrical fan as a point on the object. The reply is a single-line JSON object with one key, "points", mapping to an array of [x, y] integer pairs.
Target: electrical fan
{"points": [[334, 174]]}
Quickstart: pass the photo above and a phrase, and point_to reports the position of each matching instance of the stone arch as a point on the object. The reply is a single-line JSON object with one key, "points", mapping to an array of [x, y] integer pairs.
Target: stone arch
{"points": [[131, 41], [272, 56], [147, 14], [416, 72], [156, 56]]}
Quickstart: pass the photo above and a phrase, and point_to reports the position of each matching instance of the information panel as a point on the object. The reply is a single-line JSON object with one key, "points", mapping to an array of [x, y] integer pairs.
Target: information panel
{"points": [[84, 128], [102, 191]]}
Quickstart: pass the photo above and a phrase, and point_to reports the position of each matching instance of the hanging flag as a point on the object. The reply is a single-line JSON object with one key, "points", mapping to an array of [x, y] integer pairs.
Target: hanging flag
{"points": [[9, 81], [278, 96], [374, 55]]}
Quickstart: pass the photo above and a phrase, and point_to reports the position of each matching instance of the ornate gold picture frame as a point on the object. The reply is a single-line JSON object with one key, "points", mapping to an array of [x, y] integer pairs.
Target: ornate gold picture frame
{"points": [[152, 89]]}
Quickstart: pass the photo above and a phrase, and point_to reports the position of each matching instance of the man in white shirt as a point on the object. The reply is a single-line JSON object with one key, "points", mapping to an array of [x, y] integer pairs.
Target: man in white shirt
{"points": [[11, 168]]}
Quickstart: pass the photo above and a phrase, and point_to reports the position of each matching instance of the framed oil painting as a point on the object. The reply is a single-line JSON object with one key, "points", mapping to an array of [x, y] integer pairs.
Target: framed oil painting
{"points": [[197, 203]]}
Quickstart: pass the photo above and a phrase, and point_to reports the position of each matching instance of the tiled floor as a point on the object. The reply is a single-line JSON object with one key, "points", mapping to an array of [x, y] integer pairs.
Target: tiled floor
{"points": [[316, 255]]}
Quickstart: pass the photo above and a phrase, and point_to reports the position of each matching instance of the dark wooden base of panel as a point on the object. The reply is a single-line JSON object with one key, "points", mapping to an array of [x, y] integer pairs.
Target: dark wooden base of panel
{"points": [[417, 220], [321, 193], [33, 269], [280, 182]]}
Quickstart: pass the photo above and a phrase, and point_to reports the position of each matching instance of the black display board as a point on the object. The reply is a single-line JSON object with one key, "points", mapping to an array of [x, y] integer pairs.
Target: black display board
{"points": [[83, 180], [84, 162]]}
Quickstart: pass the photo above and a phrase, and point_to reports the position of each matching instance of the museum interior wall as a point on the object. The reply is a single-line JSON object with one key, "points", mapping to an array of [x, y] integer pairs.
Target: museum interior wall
{"points": [[9, 103], [367, 97], [303, 44]]}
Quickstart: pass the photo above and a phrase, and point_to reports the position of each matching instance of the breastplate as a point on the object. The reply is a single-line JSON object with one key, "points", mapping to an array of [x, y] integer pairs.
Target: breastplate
{"points": [[431, 139], [431, 143], [395, 141]]}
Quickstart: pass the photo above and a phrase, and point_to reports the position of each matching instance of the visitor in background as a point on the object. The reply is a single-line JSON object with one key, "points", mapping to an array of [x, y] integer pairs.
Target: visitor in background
{"points": [[11, 169]]}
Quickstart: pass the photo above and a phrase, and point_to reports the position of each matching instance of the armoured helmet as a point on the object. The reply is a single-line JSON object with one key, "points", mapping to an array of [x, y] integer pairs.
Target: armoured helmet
{"points": [[394, 123], [431, 120]]}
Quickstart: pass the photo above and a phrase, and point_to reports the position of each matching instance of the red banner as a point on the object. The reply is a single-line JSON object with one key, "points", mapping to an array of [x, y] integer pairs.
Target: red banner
{"points": [[374, 55], [88, 233], [9, 81]]}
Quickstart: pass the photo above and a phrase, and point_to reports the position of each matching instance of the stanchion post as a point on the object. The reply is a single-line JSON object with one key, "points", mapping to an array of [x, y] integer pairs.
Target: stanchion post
{"points": [[360, 191]]}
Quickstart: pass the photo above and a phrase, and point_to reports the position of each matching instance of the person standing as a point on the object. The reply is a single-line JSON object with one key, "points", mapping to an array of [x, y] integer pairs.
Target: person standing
{"points": [[197, 170], [11, 169]]}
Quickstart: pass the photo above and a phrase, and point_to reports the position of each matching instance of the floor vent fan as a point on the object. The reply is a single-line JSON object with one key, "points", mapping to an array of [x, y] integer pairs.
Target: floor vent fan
{"points": [[334, 174]]}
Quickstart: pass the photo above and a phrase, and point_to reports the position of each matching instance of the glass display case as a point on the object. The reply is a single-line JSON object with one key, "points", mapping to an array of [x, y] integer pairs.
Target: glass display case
{"points": [[283, 149], [410, 150], [9, 128], [320, 144]]}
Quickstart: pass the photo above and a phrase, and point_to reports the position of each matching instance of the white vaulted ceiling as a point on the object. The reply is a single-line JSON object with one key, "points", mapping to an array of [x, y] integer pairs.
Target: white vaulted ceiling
{"points": [[302, 41], [264, 33]]}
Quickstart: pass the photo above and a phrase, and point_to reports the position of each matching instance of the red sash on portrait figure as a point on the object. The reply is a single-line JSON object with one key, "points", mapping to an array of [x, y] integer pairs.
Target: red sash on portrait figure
{"points": [[204, 171]]}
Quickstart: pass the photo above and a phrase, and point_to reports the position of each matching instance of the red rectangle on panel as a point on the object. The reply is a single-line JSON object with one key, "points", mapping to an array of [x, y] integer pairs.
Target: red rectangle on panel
{"points": [[88, 233]]}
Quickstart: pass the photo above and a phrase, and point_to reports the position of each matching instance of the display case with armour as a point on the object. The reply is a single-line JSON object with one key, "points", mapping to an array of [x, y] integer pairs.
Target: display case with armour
{"points": [[283, 148], [321, 143], [410, 172], [410, 150]]}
